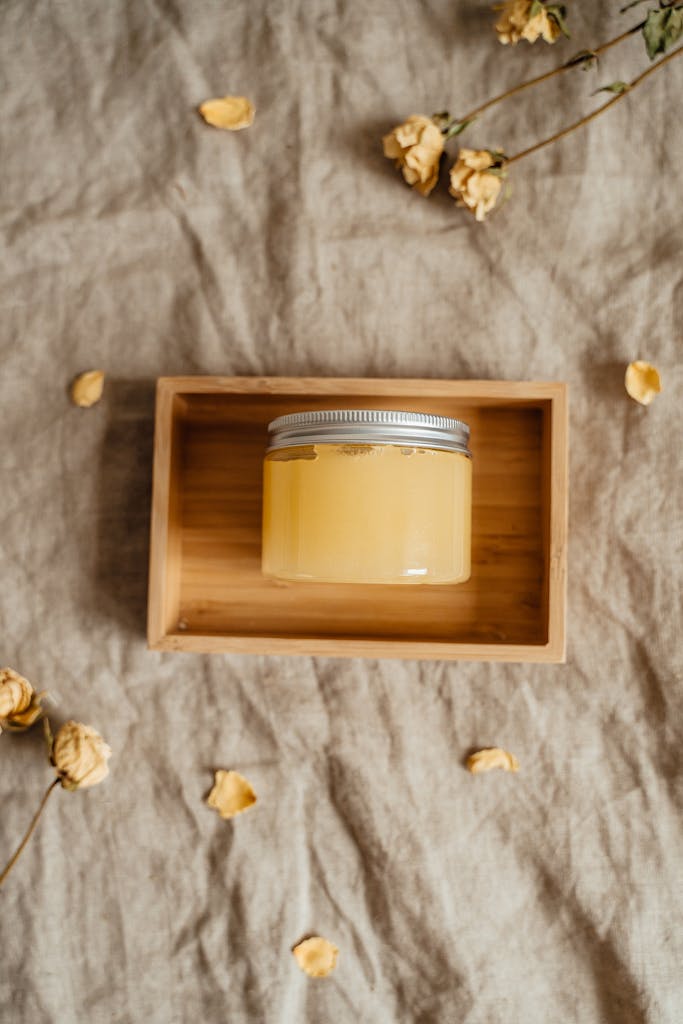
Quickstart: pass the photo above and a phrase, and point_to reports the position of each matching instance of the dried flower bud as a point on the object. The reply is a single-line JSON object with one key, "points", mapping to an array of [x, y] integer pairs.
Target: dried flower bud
{"points": [[416, 146], [529, 19], [15, 693], [80, 756], [19, 703], [477, 179]]}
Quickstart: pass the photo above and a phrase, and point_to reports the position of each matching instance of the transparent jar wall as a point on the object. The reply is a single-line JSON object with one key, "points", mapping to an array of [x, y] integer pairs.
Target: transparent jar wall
{"points": [[367, 514]]}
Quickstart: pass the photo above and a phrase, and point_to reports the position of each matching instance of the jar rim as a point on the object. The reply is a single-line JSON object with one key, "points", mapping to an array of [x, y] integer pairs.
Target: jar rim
{"points": [[369, 426]]}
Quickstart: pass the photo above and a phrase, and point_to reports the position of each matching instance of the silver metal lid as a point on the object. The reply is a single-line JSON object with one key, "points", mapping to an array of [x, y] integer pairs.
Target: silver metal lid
{"points": [[369, 426]]}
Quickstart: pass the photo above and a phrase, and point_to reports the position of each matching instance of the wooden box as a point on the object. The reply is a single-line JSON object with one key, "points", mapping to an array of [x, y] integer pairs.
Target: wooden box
{"points": [[206, 588]]}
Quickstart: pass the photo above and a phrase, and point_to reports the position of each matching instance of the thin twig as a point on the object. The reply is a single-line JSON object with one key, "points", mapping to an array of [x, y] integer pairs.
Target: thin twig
{"points": [[551, 74], [29, 833], [595, 113]]}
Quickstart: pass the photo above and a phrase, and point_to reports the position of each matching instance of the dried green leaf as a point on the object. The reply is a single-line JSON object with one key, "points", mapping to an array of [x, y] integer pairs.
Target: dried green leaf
{"points": [[497, 168], [627, 7], [450, 126], [49, 738], [615, 87], [586, 58], [558, 13], [662, 28], [457, 127]]}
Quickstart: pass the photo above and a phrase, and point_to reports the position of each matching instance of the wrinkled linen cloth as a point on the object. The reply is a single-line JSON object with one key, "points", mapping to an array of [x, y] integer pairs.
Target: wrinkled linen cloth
{"points": [[138, 240]]}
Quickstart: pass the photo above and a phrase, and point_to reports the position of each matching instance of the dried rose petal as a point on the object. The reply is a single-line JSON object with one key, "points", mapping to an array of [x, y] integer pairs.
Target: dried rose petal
{"points": [[229, 112], [492, 757], [231, 794], [87, 388], [316, 956], [642, 381]]}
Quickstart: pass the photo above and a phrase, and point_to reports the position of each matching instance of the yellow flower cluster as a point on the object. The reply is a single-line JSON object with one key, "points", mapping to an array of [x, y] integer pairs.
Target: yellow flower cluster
{"points": [[476, 177], [524, 19]]}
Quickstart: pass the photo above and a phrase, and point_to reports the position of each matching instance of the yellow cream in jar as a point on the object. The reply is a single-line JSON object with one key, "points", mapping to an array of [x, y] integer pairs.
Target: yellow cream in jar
{"points": [[359, 501]]}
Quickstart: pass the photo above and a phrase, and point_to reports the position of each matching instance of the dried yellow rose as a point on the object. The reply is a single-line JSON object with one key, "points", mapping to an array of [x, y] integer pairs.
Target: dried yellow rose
{"points": [[492, 757], [229, 112], [231, 794], [316, 956], [19, 703], [87, 389], [416, 146], [477, 180], [642, 381], [80, 756], [528, 19], [15, 692]]}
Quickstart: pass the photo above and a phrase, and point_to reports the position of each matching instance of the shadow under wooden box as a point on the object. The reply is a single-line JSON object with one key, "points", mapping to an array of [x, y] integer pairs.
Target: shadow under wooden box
{"points": [[207, 593]]}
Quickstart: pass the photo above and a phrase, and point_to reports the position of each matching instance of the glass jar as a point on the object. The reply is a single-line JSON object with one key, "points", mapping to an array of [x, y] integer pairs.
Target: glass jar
{"points": [[367, 496]]}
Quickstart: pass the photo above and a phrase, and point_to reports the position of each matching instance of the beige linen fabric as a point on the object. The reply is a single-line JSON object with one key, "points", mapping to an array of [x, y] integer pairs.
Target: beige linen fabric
{"points": [[138, 240]]}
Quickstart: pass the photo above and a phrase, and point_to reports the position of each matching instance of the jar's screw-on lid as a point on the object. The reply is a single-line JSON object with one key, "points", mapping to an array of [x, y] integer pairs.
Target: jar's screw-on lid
{"points": [[369, 426]]}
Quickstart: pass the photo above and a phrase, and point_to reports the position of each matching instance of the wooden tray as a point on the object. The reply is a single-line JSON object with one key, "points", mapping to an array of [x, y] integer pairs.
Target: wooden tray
{"points": [[206, 588]]}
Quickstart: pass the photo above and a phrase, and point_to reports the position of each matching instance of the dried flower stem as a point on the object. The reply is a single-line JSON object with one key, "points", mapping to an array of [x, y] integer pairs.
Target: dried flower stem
{"points": [[550, 74], [595, 113], [30, 831]]}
